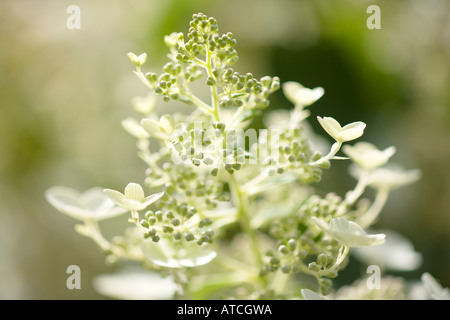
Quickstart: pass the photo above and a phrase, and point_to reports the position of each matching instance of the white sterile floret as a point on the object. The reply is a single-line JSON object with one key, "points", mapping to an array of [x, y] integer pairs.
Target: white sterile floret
{"points": [[144, 105], [167, 254], [132, 126], [367, 156], [301, 96], [389, 177], [434, 289], [171, 40], [133, 198], [349, 132], [349, 233], [135, 284], [161, 130], [397, 253], [92, 204]]}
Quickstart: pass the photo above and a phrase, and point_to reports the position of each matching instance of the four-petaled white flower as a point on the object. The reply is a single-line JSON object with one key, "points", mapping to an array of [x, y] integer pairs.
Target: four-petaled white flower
{"points": [[133, 198], [144, 105], [367, 156], [160, 130], [301, 96], [349, 132], [388, 178], [168, 254], [92, 204], [135, 284], [349, 233], [171, 40], [397, 253]]}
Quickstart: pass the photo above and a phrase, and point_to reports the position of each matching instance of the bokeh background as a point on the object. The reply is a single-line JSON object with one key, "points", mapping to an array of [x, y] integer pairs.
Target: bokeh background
{"points": [[64, 92]]}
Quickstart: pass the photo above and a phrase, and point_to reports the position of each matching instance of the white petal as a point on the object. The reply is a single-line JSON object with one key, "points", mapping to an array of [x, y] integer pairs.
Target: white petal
{"points": [[153, 128], [163, 254], [66, 201], [99, 204], [135, 284], [142, 58], [153, 198], [301, 96], [367, 156], [353, 131], [132, 126], [134, 191], [167, 123], [171, 40], [144, 105], [397, 253], [393, 177], [331, 126], [322, 224], [95, 199], [311, 295], [117, 197], [134, 205], [349, 233], [133, 58], [352, 235], [434, 289]]}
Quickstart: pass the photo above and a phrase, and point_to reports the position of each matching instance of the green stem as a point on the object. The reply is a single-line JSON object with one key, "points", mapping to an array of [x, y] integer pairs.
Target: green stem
{"points": [[96, 235], [182, 282], [372, 213], [214, 95], [242, 203], [352, 196], [334, 149], [343, 252]]}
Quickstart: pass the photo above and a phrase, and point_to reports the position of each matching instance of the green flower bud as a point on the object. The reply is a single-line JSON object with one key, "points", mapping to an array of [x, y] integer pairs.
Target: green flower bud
{"points": [[144, 223], [175, 222], [313, 267], [177, 235], [210, 81], [274, 261], [189, 237], [322, 260], [214, 172], [149, 214], [286, 268], [292, 244], [283, 249]]}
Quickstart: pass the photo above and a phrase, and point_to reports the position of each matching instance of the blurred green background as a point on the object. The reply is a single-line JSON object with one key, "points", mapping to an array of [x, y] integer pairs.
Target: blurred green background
{"points": [[64, 92]]}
